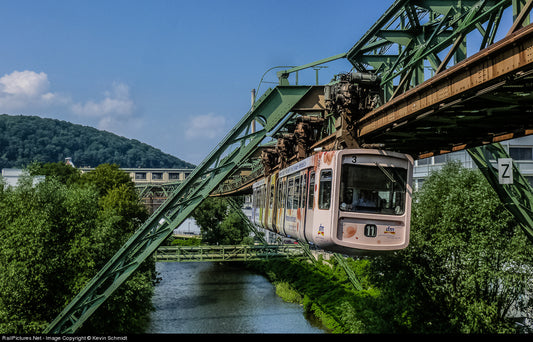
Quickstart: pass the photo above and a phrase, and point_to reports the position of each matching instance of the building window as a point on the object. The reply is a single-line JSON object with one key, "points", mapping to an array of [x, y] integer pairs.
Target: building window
{"points": [[140, 175], [521, 153], [157, 175], [418, 183], [424, 161], [174, 175], [440, 159]]}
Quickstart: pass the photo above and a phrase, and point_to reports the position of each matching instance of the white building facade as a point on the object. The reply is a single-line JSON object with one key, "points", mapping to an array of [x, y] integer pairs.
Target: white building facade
{"points": [[520, 149]]}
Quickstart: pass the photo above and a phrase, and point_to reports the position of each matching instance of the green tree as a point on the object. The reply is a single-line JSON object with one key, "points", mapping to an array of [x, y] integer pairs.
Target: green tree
{"points": [[66, 174], [468, 263], [54, 237], [219, 224], [45, 252], [233, 230], [107, 177]]}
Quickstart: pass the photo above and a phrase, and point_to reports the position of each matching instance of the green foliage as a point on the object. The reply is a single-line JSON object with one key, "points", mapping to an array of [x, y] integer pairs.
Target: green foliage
{"points": [[467, 265], [285, 291], [26, 139], [220, 224], [55, 236], [64, 173], [108, 177], [185, 242]]}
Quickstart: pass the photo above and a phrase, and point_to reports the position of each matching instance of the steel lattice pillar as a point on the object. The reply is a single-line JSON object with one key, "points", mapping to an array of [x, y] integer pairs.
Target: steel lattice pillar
{"points": [[516, 197]]}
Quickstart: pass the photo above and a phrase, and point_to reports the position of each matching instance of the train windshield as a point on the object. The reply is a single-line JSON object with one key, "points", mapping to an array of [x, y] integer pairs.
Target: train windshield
{"points": [[373, 189]]}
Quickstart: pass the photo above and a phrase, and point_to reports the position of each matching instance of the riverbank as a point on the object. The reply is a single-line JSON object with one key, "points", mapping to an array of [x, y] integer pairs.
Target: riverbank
{"points": [[325, 292]]}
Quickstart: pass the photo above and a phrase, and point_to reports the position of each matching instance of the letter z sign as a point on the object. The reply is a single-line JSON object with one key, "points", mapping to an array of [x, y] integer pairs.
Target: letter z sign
{"points": [[505, 170]]}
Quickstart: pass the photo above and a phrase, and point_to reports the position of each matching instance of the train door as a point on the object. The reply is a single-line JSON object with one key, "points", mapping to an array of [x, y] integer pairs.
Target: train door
{"points": [[301, 213], [293, 183], [266, 199], [262, 205], [256, 202], [280, 221], [310, 205], [321, 229], [271, 216]]}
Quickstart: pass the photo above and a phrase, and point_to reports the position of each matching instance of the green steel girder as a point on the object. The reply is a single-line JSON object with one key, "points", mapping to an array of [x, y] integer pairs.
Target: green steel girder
{"points": [[349, 272], [516, 197], [413, 36], [227, 253], [416, 39], [270, 111]]}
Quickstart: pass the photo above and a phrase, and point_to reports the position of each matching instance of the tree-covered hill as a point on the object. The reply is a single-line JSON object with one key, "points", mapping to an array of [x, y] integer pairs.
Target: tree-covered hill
{"points": [[25, 139]]}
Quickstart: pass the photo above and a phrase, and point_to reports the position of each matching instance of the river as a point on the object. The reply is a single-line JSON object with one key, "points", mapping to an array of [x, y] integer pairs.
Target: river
{"points": [[205, 298]]}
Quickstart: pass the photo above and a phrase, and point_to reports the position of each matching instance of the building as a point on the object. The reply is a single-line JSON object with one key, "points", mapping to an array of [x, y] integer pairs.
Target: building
{"points": [[152, 176], [12, 176], [520, 149]]}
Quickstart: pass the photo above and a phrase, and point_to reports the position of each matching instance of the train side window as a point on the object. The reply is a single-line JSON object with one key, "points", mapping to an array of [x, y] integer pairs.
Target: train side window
{"points": [[324, 195], [271, 203], [280, 193], [254, 198], [276, 192], [290, 192], [304, 191], [311, 190], [296, 193], [262, 197], [283, 193]]}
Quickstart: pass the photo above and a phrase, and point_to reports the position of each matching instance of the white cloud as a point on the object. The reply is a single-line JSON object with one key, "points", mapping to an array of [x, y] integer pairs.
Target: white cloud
{"points": [[116, 102], [206, 126], [26, 89], [25, 83]]}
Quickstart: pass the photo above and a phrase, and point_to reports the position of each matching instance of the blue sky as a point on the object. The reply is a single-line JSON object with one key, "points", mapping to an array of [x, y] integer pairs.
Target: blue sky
{"points": [[174, 74]]}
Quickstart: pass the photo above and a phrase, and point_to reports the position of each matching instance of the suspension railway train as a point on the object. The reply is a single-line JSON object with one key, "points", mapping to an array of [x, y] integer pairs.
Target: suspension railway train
{"points": [[350, 201]]}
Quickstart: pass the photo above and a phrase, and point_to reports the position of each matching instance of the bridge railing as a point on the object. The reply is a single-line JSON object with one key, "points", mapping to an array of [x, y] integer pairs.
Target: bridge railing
{"points": [[227, 253]]}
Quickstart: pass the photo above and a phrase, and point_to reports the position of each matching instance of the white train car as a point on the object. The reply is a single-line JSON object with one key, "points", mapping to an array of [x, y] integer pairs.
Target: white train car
{"points": [[348, 201]]}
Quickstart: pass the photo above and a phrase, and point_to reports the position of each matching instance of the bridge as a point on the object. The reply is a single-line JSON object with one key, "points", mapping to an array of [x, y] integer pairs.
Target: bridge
{"points": [[227, 253], [439, 76]]}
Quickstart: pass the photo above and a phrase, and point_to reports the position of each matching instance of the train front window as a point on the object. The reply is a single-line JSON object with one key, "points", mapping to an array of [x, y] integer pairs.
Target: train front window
{"points": [[373, 189]]}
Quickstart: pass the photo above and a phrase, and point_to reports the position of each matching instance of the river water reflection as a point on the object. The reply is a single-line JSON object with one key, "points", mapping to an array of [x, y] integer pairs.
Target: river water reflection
{"points": [[221, 298]]}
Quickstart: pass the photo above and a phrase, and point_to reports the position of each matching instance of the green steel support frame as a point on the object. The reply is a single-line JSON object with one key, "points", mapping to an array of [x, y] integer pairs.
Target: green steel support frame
{"points": [[269, 112], [349, 272], [516, 197], [416, 39]]}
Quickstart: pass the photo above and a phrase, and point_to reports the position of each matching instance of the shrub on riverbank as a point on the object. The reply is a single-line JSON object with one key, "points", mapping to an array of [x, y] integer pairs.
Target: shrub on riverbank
{"points": [[325, 291]]}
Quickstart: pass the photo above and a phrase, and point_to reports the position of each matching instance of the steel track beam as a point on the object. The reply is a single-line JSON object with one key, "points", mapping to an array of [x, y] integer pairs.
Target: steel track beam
{"points": [[489, 85], [415, 39], [270, 111]]}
